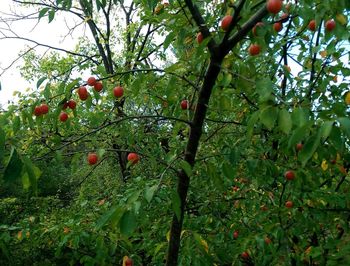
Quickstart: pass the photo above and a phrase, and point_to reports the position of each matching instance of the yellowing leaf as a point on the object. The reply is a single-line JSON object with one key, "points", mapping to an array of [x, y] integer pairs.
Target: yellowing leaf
{"points": [[323, 54], [168, 236], [28, 234], [205, 245], [19, 235], [341, 19], [347, 98], [324, 165]]}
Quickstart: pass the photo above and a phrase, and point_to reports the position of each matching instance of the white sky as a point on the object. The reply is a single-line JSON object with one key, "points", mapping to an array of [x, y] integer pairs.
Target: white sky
{"points": [[9, 49]]}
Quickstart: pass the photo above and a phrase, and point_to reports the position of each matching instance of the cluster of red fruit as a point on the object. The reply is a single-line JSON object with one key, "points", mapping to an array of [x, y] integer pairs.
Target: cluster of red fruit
{"points": [[329, 25], [42, 109]]}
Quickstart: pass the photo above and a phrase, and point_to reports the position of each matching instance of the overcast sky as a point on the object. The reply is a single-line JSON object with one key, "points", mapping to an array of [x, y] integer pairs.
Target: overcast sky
{"points": [[9, 49]]}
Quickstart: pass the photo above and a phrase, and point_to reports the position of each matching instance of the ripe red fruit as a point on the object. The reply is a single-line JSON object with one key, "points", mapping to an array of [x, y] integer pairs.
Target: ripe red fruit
{"points": [[83, 93], [284, 17], [91, 81], [274, 6], [44, 108], [200, 37], [289, 175], [129, 262], [312, 25], [329, 25], [254, 49], [277, 26], [37, 111], [333, 161], [225, 22], [267, 240], [299, 146], [235, 234], [92, 158], [259, 24], [118, 91], [65, 105], [289, 204], [245, 255], [72, 104], [63, 117], [133, 158], [184, 104], [98, 86]]}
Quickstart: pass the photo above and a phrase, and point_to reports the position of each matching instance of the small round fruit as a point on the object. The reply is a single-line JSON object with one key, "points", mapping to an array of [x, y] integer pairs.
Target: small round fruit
{"points": [[37, 111], [63, 117], [333, 161], [274, 6], [289, 204], [235, 234], [312, 25], [330, 25], [129, 262], [289, 175], [299, 146], [277, 26], [91, 81], [83, 93], [72, 104], [284, 17], [245, 255], [98, 86], [347, 98], [259, 24], [267, 240], [254, 49], [200, 37], [118, 91], [184, 104], [133, 158], [92, 158], [44, 108], [225, 22], [65, 105]]}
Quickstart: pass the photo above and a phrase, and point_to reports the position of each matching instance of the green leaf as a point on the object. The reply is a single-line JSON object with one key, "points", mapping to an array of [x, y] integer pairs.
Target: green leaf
{"points": [[14, 167], [33, 173], [300, 116], [149, 192], [2, 143], [127, 223], [112, 216], [16, 124], [186, 167], [326, 129], [43, 12], [176, 204], [51, 15], [310, 147], [39, 82], [268, 116], [345, 125], [298, 135], [251, 123], [133, 197], [284, 121]]}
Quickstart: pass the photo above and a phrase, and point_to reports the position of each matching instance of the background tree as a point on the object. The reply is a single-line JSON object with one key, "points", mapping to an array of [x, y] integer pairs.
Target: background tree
{"points": [[236, 113]]}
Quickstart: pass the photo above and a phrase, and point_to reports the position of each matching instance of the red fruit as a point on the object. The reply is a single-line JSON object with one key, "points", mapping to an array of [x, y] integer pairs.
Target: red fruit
{"points": [[133, 158], [274, 6], [277, 26], [129, 262], [289, 175], [259, 24], [289, 204], [83, 93], [284, 17], [72, 104], [245, 255], [200, 37], [333, 161], [63, 117], [65, 105], [98, 86], [118, 91], [312, 25], [235, 234], [225, 23], [329, 25], [267, 240], [254, 49], [44, 108], [92, 158], [299, 146], [91, 81], [184, 104], [37, 111]]}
